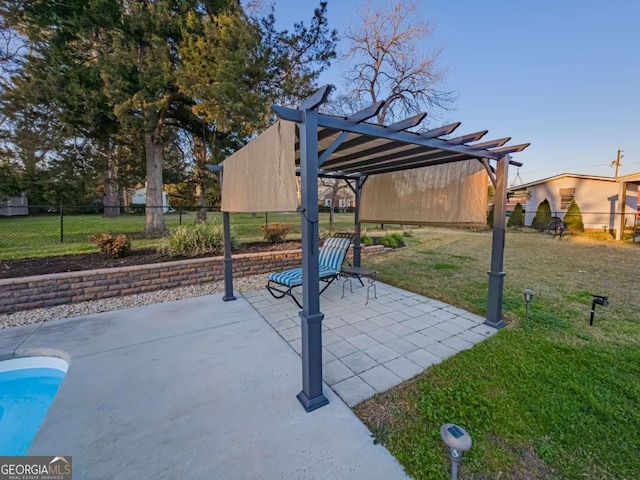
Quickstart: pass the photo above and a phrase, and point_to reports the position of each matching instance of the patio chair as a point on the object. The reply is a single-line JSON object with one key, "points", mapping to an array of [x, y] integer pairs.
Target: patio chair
{"points": [[332, 256]]}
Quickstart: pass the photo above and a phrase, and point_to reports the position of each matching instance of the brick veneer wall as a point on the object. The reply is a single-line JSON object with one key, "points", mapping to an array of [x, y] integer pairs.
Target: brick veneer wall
{"points": [[61, 288]]}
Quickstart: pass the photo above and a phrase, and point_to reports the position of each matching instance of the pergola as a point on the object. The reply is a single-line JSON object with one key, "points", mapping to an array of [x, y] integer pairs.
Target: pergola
{"points": [[633, 179], [354, 150]]}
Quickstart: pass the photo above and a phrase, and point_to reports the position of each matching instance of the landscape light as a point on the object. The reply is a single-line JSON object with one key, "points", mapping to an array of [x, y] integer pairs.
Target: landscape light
{"points": [[598, 300], [528, 296], [458, 441]]}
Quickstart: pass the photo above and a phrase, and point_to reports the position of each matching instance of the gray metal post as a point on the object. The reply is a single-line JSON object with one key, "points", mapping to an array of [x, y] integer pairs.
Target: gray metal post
{"points": [[496, 275], [357, 248], [311, 396], [228, 261]]}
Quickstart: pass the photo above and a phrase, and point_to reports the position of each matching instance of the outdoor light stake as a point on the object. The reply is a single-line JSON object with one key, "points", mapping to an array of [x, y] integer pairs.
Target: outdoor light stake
{"points": [[458, 441], [598, 300], [528, 296]]}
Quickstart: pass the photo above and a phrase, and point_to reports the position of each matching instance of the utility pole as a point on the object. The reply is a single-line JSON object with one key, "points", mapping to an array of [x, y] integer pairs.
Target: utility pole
{"points": [[617, 162]]}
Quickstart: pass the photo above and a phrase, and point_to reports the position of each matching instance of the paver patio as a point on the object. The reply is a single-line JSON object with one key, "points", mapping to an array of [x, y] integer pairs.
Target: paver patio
{"points": [[368, 349]]}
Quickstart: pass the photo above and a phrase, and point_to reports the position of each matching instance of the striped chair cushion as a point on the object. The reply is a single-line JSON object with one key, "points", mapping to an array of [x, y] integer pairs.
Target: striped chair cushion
{"points": [[330, 260], [293, 277], [333, 252]]}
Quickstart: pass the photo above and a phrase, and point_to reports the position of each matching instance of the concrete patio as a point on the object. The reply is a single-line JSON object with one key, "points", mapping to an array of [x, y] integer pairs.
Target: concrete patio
{"points": [[203, 388]]}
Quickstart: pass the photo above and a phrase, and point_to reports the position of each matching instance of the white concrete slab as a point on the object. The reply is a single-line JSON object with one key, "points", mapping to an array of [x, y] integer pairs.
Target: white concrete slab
{"points": [[197, 388]]}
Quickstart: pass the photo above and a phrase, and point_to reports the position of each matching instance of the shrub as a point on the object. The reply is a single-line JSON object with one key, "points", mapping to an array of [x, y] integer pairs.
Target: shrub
{"points": [[393, 240], [366, 240], [543, 216], [193, 240], [573, 218], [516, 220], [276, 231], [112, 246]]}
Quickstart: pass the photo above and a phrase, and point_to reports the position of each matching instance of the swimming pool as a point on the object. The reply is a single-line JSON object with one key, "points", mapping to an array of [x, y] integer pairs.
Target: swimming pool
{"points": [[27, 388]]}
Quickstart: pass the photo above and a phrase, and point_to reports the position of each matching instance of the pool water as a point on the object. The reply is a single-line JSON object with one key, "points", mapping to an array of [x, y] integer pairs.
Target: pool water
{"points": [[27, 388]]}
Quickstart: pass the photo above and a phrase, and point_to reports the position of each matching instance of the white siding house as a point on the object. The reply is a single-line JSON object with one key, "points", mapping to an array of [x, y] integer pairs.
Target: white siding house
{"points": [[596, 196], [13, 206], [139, 197]]}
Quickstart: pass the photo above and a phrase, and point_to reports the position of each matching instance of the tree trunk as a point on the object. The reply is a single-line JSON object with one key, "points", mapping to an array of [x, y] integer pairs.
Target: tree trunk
{"points": [[334, 196], [200, 155], [154, 221], [110, 199], [201, 214]]}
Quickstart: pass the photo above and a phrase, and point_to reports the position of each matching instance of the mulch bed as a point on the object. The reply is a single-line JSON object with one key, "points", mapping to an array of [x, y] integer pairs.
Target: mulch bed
{"points": [[26, 267]]}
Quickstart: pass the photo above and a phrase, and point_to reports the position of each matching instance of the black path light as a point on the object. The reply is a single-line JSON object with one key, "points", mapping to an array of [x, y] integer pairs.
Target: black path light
{"points": [[598, 300]]}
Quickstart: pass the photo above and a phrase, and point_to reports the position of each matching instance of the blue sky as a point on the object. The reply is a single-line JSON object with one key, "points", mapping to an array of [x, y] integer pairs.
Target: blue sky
{"points": [[563, 75]]}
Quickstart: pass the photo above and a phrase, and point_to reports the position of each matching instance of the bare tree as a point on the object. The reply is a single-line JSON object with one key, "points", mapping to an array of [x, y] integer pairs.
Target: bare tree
{"points": [[389, 61], [336, 185]]}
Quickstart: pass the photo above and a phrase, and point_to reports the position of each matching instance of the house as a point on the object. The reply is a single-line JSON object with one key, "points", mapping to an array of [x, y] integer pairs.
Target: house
{"points": [[139, 197], [14, 206], [345, 198], [596, 196]]}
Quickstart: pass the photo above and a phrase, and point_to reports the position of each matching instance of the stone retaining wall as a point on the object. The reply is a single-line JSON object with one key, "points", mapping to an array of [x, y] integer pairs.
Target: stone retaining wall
{"points": [[61, 288]]}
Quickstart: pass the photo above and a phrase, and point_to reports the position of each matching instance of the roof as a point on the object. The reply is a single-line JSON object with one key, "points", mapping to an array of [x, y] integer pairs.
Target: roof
{"points": [[562, 175], [631, 178]]}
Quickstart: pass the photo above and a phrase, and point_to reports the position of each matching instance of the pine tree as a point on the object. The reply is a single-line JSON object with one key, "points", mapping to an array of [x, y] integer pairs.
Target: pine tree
{"points": [[573, 218], [516, 220], [543, 216], [127, 76]]}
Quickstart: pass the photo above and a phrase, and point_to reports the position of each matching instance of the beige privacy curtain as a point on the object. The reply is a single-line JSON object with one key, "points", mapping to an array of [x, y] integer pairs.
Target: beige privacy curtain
{"points": [[450, 194], [261, 176]]}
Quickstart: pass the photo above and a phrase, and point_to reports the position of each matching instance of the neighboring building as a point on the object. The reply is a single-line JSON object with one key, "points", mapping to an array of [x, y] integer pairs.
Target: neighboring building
{"points": [[139, 197], [596, 196], [345, 198], [14, 206]]}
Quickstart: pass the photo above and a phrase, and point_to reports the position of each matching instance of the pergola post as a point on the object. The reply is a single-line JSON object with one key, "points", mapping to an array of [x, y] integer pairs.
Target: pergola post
{"points": [[311, 396], [226, 234], [228, 261], [357, 248], [496, 275], [622, 203]]}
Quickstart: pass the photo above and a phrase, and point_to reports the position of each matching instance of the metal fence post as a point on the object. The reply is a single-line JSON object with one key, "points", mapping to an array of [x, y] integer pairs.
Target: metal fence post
{"points": [[180, 216], [61, 224]]}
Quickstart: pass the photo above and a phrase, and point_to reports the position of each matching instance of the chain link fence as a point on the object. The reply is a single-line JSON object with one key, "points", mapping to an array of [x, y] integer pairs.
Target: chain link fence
{"points": [[46, 230]]}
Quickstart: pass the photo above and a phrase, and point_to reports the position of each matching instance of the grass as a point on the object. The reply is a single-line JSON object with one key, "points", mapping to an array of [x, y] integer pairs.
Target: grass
{"points": [[546, 397], [39, 236]]}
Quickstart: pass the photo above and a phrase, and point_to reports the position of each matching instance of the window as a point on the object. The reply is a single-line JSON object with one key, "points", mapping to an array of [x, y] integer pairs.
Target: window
{"points": [[327, 202], [566, 195]]}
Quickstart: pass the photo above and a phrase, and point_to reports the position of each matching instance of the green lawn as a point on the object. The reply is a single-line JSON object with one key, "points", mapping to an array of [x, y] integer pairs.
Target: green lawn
{"points": [[547, 397], [40, 236]]}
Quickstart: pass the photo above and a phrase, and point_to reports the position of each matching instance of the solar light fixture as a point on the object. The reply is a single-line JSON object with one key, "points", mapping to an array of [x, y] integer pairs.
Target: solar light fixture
{"points": [[528, 296], [458, 441], [598, 300]]}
